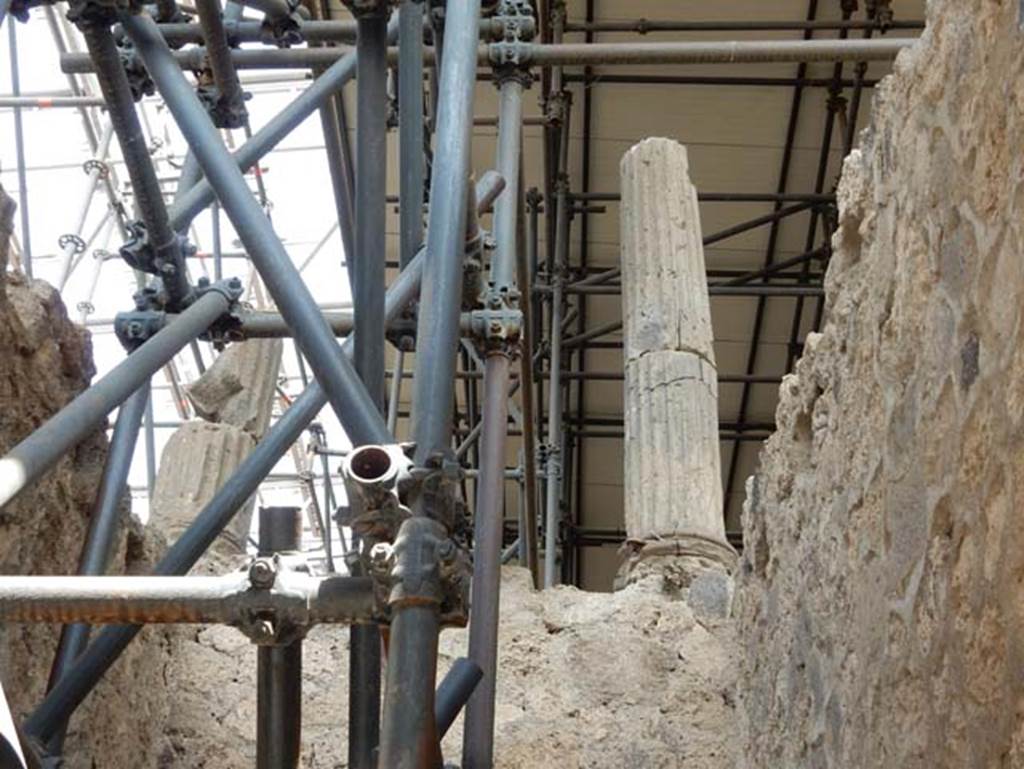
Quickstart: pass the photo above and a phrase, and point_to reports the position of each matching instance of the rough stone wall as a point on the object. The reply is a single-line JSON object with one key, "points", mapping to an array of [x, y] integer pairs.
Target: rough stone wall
{"points": [[881, 606], [45, 361]]}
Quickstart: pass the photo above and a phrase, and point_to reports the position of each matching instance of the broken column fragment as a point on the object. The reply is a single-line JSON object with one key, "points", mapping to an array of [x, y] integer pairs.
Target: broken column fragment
{"points": [[673, 487], [238, 389], [236, 394]]}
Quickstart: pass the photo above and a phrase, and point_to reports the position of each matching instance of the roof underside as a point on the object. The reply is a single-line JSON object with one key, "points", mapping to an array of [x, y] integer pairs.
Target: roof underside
{"points": [[740, 140]]}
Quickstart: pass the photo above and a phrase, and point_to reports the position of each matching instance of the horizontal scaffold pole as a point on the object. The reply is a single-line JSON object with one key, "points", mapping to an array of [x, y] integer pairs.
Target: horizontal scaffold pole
{"points": [[572, 54], [296, 598]]}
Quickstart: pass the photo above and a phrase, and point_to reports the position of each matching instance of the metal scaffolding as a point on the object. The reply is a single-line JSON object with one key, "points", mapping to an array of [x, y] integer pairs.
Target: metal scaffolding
{"points": [[492, 325]]}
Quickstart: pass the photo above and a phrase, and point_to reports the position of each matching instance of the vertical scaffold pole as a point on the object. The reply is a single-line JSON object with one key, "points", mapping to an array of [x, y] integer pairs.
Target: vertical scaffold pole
{"points": [[409, 737], [279, 666], [368, 274], [478, 737]]}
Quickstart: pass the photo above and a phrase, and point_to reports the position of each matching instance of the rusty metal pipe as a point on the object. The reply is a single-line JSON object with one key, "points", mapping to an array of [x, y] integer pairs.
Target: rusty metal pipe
{"points": [[230, 600]]}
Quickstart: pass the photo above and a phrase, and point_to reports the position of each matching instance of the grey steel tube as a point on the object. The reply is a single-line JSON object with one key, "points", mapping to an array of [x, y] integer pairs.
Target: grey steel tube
{"points": [[265, 325], [312, 31], [528, 537], [554, 433], [19, 144], [69, 692], [409, 737], [453, 691], [105, 519], [337, 162], [278, 127], [191, 174], [339, 166], [506, 221], [395, 396], [145, 186], [280, 530], [578, 54], [37, 453], [371, 161], [279, 668], [412, 163], [245, 58], [253, 32], [51, 102], [712, 52], [150, 431], [233, 12], [348, 397], [488, 188], [103, 526], [260, 324], [368, 268], [230, 99], [644, 26], [218, 254], [478, 737], [441, 289], [278, 706]]}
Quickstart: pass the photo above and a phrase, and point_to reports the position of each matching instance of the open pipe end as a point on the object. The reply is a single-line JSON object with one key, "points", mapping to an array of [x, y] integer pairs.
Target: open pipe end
{"points": [[371, 464]]}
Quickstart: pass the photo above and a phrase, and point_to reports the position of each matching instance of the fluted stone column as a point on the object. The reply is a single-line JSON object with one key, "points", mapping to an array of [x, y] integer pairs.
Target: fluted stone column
{"points": [[197, 460], [673, 486], [236, 395]]}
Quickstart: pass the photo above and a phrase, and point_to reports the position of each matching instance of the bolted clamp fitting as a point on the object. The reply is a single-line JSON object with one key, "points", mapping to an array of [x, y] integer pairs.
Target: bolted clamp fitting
{"points": [[360, 7], [508, 55], [135, 327], [19, 10], [549, 461], [263, 573], [143, 255], [428, 568], [881, 11], [436, 489], [139, 81], [498, 326], [556, 107], [85, 13], [224, 113], [270, 582], [284, 30], [226, 326], [836, 103]]}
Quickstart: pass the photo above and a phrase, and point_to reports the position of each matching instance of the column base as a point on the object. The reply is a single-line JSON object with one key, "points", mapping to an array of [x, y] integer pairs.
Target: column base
{"points": [[695, 567]]}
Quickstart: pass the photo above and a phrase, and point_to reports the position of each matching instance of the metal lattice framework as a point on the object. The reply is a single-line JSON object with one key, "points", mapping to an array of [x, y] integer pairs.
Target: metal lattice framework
{"points": [[476, 316]]}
